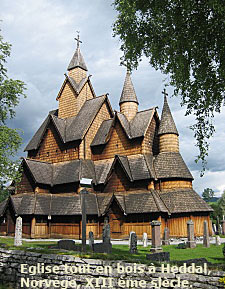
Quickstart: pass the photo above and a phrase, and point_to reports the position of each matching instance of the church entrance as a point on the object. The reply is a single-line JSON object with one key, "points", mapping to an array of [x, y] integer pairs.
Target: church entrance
{"points": [[115, 220]]}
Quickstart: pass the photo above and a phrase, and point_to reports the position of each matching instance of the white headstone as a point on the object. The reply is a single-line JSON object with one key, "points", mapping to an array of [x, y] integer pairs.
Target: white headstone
{"points": [[18, 232], [218, 242], [145, 240], [214, 228]]}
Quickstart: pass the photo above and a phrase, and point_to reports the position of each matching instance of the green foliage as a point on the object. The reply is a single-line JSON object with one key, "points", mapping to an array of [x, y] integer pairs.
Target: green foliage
{"points": [[10, 139], [186, 41], [208, 194], [217, 213], [221, 204]]}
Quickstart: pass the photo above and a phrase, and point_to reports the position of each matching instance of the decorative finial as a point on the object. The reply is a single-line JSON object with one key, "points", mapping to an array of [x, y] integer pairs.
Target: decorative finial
{"points": [[164, 92], [78, 39]]}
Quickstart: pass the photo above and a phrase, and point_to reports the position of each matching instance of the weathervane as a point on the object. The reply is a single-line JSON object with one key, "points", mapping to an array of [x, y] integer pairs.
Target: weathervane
{"points": [[78, 39], [164, 92]]}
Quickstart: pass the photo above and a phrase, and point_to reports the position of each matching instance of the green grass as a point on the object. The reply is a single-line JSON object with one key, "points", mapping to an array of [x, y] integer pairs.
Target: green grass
{"points": [[121, 252]]}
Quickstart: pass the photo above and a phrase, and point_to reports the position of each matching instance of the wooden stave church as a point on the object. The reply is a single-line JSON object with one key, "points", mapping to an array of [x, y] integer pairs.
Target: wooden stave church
{"points": [[132, 157]]}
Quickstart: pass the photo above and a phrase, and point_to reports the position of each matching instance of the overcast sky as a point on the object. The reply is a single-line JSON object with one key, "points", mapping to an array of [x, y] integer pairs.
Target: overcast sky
{"points": [[42, 36]]}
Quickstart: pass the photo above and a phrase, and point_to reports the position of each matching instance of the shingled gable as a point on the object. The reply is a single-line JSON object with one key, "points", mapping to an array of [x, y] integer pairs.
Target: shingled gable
{"points": [[167, 124], [77, 87], [73, 128], [5, 204]]}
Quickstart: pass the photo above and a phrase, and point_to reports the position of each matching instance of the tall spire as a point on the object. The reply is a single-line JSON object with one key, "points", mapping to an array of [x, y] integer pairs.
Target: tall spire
{"points": [[77, 59], [128, 92], [167, 124]]}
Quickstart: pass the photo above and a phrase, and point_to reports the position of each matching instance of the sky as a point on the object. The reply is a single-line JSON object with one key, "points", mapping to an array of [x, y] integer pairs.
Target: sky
{"points": [[42, 36]]}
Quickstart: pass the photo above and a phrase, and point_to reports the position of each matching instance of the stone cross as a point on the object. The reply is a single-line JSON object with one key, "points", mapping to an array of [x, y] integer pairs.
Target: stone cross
{"points": [[145, 240], [106, 234], [166, 237], [133, 243], [18, 232], [206, 242], [190, 230], [91, 240], [156, 239], [218, 241]]}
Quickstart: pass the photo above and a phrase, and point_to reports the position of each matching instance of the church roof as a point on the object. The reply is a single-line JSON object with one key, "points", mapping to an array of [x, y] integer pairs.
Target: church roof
{"points": [[77, 60], [128, 92], [73, 128], [171, 165], [167, 124]]}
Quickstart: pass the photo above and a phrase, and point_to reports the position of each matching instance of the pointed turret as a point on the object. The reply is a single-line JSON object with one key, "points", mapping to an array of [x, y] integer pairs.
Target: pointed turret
{"points": [[168, 134], [77, 67], [128, 100]]}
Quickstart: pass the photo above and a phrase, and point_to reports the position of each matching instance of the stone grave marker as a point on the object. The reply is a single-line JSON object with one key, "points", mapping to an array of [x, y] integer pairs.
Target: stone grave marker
{"points": [[218, 241], [105, 246], [130, 237], [133, 243], [91, 239], [145, 240], [106, 234], [166, 237], [67, 245], [206, 242], [156, 239], [18, 232], [190, 229]]}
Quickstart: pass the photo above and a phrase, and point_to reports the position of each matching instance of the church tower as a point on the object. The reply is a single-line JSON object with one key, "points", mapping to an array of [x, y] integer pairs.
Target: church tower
{"points": [[128, 100], [168, 134], [76, 88]]}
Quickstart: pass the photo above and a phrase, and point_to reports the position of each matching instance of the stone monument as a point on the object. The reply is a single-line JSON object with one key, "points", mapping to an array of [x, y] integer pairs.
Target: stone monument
{"points": [[190, 230], [156, 239], [145, 240], [218, 241], [18, 232], [206, 242], [133, 243], [166, 237], [106, 233], [91, 240]]}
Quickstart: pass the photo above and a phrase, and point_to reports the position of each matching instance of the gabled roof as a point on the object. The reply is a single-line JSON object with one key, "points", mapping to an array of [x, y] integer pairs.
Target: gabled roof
{"points": [[171, 165], [128, 92], [73, 128], [102, 135], [167, 124], [183, 200], [77, 60]]}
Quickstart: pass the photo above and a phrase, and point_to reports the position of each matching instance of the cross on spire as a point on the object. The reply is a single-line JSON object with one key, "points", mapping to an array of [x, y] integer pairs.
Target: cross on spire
{"points": [[78, 39], [164, 92]]}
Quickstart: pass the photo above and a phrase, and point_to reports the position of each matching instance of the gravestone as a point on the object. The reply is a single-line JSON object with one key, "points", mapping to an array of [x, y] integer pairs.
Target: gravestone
{"points": [[156, 239], [130, 237], [223, 227], [206, 242], [133, 243], [214, 228], [18, 232], [220, 229], [91, 239], [158, 257], [190, 230], [106, 234], [166, 237], [67, 245], [218, 241], [145, 240]]}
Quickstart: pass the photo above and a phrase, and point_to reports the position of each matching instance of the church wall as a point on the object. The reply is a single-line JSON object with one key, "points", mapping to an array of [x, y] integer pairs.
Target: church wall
{"points": [[52, 150], [168, 143], [147, 145], [171, 184], [67, 102], [118, 144], [77, 73], [102, 115], [24, 185]]}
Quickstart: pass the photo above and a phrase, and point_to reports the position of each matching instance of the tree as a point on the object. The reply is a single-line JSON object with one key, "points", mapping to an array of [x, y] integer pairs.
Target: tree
{"points": [[10, 139], [208, 194], [186, 41], [221, 204]]}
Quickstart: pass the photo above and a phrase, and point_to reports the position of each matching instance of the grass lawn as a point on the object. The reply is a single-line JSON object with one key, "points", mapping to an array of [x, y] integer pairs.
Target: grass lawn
{"points": [[121, 252]]}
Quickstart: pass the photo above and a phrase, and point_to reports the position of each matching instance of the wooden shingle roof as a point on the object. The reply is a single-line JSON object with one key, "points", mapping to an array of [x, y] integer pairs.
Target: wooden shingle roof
{"points": [[167, 124], [77, 60], [128, 92], [171, 165]]}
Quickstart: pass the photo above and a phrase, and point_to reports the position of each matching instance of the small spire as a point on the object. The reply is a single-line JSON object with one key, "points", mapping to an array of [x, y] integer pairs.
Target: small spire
{"points": [[77, 59], [128, 92], [167, 124]]}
